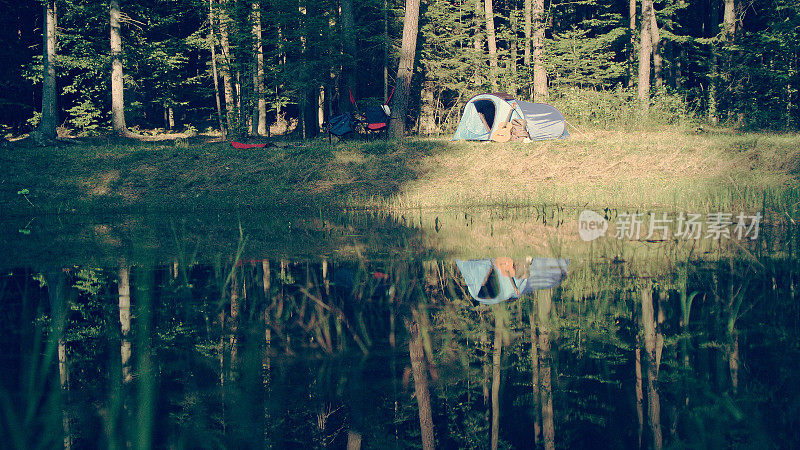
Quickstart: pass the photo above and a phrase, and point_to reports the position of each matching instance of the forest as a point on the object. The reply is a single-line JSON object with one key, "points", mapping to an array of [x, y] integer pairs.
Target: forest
{"points": [[82, 68]]}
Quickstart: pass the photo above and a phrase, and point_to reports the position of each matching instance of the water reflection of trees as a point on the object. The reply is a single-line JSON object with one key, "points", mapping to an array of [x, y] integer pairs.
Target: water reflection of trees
{"points": [[307, 353]]}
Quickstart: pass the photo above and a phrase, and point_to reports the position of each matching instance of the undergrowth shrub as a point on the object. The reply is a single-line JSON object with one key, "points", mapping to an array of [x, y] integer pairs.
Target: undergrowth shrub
{"points": [[620, 109]]}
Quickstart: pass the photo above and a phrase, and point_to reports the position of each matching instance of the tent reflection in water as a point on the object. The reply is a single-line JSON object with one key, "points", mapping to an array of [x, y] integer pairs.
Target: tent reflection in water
{"points": [[485, 113], [488, 284]]}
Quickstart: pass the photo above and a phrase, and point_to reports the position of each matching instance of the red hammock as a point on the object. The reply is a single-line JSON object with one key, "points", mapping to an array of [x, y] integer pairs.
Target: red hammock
{"points": [[240, 145]]}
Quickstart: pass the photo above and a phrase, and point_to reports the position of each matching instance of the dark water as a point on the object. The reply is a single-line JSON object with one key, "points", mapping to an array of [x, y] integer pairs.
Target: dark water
{"points": [[312, 329]]}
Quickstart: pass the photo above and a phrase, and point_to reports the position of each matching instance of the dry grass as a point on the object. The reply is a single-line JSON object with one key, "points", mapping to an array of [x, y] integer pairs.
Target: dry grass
{"points": [[655, 169], [666, 168]]}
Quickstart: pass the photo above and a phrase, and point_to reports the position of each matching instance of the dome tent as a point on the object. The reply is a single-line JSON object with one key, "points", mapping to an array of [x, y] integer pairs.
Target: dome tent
{"points": [[485, 112], [544, 273]]}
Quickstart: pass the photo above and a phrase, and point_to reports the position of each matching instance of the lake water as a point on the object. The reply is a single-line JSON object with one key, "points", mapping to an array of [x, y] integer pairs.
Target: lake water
{"points": [[308, 328]]}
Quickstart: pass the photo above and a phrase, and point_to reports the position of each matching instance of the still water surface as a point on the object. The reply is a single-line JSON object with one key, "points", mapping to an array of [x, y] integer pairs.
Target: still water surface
{"points": [[313, 329]]}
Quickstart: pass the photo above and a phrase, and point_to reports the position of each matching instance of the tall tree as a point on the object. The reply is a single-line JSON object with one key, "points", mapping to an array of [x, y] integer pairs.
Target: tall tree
{"points": [[545, 304], [117, 88], [653, 343], [386, 45], [57, 288], [124, 290], [632, 45], [499, 329], [419, 371], [526, 58], [655, 39], [227, 63], [405, 69], [713, 62], [349, 48], [645, 50], [491, 40], [537, 410], [540, 93], [729, 35], [259, 121], [214, 74], [527, 12], [49, 120]]}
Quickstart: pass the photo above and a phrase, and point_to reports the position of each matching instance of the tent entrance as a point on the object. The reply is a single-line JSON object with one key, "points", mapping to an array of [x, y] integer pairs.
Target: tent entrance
{"points": [[486, 111]]}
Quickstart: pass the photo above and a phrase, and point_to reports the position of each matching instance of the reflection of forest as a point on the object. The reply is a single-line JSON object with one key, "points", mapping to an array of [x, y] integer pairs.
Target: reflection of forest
{"points": [[395, 353]]}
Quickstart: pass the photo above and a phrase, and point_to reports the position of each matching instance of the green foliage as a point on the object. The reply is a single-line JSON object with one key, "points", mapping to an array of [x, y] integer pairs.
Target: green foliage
{"points": [[86, 117], [166, 54], [618, 109], [589, 54]]}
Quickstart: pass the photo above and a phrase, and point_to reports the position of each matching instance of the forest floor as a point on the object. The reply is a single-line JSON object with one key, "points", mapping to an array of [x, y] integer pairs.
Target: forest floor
{"points": [[667, 168]]}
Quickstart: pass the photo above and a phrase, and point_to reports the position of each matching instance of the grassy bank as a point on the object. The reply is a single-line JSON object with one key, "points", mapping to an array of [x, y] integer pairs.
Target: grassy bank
{"points": [[666, 168]]}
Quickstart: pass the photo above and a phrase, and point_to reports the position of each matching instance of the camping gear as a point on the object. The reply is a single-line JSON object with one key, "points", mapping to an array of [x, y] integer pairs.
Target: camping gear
{"points": [[340, 125], [545, 273], [483, 117], [240, 145], [502, 132], [375, 118]]}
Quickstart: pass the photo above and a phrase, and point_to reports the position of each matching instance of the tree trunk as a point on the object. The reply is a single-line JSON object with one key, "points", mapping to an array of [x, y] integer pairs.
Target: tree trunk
{"points": [[117, 97], [729, 20], [729, 32], [309, 94], [713, 22], [427, 119], [46, 132], [405, 69], [238, 86], [478, 43], [645, 50], [632, 49], [540, 93], [386, 51], [320, 105], [514, 50], [124, 289], [652, 356], [733, 361], [309, 111], [479, 19], [496, 359], [419, 371], [548, 430], [350, 52], [655, 40], [259, 122], [537, 410], [214, 75], [225, 70], [353, 440], [57, 291], [639, 392], [528, 13], [234, 325], [491, 40]]}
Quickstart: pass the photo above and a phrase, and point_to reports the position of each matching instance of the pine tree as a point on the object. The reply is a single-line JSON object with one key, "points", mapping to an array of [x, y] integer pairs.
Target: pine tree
{"points": [[405, 69]]}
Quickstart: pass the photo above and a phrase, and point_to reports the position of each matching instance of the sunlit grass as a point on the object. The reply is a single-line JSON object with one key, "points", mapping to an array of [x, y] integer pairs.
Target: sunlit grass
{"points": [[670, 167]]}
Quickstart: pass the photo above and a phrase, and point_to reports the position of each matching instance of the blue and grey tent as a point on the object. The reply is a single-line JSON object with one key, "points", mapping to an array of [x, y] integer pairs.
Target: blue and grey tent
{"points": [[545, 273], [485, 112]]}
